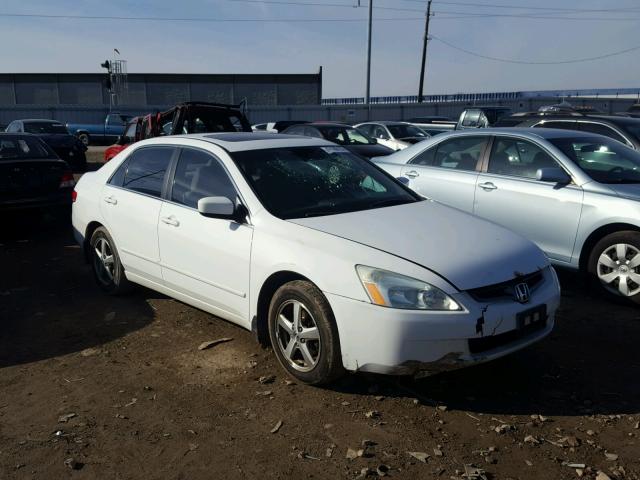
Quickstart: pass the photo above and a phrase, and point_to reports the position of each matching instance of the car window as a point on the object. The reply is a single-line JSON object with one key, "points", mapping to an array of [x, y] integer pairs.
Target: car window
{"points": [[13, 127], [601, 129], [295, 131], [570, 125], [312, 132], [114, 119], [146, 170], [23, 146], [44, 128], [471, 118], [260, 126], [518, 158], [199, 175], [460, 153], [380, 132], [603, 159], [297, 182], [131, 132], [367, 129]]}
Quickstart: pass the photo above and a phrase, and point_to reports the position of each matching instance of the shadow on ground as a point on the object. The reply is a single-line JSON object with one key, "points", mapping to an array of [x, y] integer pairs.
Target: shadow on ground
{"points": [[49, 303]]}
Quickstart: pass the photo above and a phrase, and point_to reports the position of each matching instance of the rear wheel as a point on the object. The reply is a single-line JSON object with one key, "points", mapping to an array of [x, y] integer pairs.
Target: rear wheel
{"points": [[614, 265], [105, 263], [304, 334], [84, 138]]}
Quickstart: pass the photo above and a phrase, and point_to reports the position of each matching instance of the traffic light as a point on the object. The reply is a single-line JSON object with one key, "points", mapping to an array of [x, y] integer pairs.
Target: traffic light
{"points": [[106, 64]]}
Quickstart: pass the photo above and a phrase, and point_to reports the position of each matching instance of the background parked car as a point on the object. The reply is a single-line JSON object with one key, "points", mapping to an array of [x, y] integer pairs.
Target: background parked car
{"points": [[276, 127], [32, 176], [575, 194], [101, 133], [349, 137], [623, 129], [133, 133], [54, 134], [395, 135]]}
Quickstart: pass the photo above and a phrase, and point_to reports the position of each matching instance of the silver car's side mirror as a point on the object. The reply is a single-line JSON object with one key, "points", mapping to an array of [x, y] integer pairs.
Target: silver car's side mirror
{"points": [[216, 207], [553, 175]]}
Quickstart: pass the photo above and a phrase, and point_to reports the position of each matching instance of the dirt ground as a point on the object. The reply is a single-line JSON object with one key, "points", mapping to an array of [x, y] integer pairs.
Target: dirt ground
{"points": [[96, 387]]}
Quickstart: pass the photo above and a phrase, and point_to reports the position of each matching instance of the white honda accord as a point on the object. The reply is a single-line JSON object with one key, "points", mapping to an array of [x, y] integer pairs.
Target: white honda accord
{"points": [[319, 252]]}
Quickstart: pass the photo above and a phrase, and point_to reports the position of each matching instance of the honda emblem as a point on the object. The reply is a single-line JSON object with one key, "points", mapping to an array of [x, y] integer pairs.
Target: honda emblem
{"points": [[522, 293]]}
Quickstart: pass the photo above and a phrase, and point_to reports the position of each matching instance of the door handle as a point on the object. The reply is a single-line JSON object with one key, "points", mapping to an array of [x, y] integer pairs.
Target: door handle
{"points": [[110, 200], [487, 186], [170, 221], [412, 174]]}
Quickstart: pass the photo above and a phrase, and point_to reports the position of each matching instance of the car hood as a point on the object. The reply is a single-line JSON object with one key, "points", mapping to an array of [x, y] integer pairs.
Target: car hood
{"points": [[465, 250], [370, 151], [627, 190]]}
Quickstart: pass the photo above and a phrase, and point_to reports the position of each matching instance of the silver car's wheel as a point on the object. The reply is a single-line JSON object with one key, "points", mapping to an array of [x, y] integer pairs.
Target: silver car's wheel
{"points": [[297, 336], [617, 269], [103, 259], [107, 269]]}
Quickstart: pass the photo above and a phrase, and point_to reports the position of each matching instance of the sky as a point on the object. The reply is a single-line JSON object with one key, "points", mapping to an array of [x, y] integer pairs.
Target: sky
{"points": [[60, 45]]}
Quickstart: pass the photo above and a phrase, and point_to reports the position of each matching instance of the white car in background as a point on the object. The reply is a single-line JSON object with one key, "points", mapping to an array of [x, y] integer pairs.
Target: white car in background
{"points": [[337, 264], [395, 135]]}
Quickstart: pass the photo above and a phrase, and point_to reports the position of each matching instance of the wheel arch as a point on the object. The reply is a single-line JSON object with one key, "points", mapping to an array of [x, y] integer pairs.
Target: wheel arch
{"points": [[259, 323], [597, 235], [91, 227]]}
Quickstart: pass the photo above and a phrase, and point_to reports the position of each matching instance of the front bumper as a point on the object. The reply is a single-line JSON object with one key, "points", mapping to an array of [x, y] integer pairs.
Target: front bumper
{"points": [[413, 342]]}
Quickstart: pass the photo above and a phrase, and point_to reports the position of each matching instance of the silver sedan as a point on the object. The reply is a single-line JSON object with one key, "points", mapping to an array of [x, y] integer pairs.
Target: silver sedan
{"points": [[575, 194]]}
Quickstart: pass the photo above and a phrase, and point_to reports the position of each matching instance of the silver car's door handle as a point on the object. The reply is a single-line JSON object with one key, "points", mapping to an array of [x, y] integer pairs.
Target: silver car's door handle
{"points": [[110, 200], [170, 221], [412, 174], [487, 186]]}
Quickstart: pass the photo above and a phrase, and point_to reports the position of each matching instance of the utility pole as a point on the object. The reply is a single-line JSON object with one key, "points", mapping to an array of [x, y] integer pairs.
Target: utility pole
{"points": [[368, 96], [424, 52]]}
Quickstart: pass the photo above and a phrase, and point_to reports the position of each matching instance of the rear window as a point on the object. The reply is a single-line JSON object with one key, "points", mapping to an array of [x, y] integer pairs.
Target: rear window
{"points": [[14, 147], [45, 128]]}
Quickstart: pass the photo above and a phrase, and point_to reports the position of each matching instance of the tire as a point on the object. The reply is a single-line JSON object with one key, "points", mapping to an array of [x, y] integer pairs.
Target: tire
{"points": [[84, 138], [110, 279], [315, 356], [614, 265]]}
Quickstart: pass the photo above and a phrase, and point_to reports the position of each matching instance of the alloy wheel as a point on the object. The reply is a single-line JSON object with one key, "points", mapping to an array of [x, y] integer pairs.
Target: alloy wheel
{"points": [[297, 336], [618, 269], [103, 260]]}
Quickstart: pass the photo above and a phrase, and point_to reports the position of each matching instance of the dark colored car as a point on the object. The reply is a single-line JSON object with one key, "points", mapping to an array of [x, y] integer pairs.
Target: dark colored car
{"points": [[623, 129], [429, 119], [32, 176], [349, 137], [199, 117], [54, 134]]}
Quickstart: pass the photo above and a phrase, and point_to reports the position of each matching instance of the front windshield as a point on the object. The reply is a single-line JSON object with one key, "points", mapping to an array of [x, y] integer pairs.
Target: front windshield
{"points": [[404, 131], [22, 147], [346, 136], [45, 128], [603, 159], [297, 182]]}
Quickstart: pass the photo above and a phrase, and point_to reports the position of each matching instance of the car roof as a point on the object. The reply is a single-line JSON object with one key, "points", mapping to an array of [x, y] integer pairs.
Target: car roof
{"points": [[241, 141], [329, 124], [532, 133], [42, 120], [388, 122]]}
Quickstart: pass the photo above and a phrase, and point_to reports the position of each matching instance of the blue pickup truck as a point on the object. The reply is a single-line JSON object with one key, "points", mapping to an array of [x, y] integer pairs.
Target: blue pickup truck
{"points": [[102, 133]]}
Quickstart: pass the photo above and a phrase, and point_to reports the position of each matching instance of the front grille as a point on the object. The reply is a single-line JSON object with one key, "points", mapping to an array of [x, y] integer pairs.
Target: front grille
{"points": [[506, 289], [479, 345]]}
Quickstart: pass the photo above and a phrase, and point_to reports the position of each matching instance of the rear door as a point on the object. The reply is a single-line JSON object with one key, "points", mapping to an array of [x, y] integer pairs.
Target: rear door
{"points": [[131, 203], [509, 194], [447, 171]]}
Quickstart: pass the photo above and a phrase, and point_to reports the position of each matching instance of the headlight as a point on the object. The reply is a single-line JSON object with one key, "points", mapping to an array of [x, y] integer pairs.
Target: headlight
{"points": [[397, 291]]}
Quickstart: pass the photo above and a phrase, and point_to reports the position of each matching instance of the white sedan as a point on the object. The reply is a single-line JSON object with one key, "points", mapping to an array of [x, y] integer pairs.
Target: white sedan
{"points": [[319, 252]]}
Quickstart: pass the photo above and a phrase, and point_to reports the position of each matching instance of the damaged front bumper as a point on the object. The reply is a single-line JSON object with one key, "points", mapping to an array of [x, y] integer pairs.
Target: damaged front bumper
{"points": [[412, 342]]}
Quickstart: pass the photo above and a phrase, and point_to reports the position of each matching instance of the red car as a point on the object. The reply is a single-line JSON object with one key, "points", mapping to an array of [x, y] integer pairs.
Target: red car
{"points": [[132, 133]]}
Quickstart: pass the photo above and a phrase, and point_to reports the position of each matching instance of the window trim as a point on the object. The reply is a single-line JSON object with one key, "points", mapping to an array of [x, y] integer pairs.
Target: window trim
{"points": [[488, 141], [578, 121], [485, 165]]}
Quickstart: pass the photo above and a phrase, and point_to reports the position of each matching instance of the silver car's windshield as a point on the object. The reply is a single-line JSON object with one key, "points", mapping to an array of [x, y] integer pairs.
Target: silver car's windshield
{"points": [[604, 160]]}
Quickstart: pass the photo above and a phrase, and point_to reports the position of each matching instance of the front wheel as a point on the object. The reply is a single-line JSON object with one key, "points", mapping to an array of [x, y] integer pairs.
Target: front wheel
{"points": [[84, 138], [614, 265], [105, 263], [304, 334]]}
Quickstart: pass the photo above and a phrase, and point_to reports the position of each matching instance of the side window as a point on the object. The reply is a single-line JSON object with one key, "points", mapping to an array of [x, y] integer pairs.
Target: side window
{"points": [[367, 129], [198, 175], [13, 127], [131, 132], [114, 119], [460, 153], [380, 132], [425, 157], [570, 125], [118, 177], [601, 130], [146, 170], [312, 132], [518, 158], [295, 131], [471, 118]]}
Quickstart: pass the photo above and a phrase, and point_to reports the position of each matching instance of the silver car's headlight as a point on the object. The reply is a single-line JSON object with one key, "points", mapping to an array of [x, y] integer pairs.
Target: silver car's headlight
{"points": [[397, 291]]}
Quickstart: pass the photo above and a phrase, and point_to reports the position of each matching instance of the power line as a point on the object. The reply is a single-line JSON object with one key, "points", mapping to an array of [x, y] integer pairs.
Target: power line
{"points": [[195, 19], [519, 7], [532, 16], [310, 4], [525, 62]]}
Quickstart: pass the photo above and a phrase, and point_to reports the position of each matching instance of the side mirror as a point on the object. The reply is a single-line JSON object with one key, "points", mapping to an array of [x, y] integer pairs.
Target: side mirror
{"points": [[553, 175], [403, 180], [221, 207]]}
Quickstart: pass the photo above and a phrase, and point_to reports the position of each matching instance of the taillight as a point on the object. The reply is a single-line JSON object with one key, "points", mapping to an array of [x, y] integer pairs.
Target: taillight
{"points": [[67, 180], [74, 195]]}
